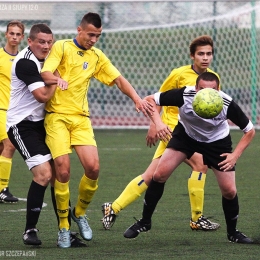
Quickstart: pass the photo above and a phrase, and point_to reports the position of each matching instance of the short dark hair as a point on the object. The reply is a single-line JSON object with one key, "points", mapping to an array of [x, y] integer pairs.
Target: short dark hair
{"points": [[39, 28], [15, 23], [202, 40], [91, 18], [207, 76]]}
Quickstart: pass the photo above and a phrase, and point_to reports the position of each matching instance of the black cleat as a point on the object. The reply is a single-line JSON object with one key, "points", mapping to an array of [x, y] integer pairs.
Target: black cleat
{"points": [[75, 241], [30, 237], [134, 230], [239, 237], [7, 197]]}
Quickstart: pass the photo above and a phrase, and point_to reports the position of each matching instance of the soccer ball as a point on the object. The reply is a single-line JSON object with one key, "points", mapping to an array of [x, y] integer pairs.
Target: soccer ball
{"points": [[207, 103]]}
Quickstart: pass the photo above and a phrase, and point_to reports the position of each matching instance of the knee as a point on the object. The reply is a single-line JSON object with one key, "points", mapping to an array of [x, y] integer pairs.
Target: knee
{"points": [[229, 194], [62, 172], [8, 150], [43, 178], [92, 173]]}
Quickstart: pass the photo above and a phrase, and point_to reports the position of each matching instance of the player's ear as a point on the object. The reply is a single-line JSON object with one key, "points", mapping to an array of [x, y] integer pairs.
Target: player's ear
{"points": [[79, 29]]}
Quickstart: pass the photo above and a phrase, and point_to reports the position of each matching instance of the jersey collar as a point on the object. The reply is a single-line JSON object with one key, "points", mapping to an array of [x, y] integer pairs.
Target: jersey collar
{"points": [[77, 44]]}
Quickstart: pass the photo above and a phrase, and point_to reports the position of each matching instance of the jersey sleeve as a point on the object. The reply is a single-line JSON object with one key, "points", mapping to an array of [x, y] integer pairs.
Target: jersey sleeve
{"points": [[172, 97], [54, 58], [106, 72], [238, 117], [27, 71]]}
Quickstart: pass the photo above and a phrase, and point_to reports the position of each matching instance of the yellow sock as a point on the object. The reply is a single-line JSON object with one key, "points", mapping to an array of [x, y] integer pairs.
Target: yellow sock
{"points": [[87, 189], [5, 171], [196, 185], [132, 192], [62, 196]]}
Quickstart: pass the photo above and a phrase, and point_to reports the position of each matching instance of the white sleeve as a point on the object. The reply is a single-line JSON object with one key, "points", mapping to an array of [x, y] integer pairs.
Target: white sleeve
{"points": [[157, 98], [248, 127]]}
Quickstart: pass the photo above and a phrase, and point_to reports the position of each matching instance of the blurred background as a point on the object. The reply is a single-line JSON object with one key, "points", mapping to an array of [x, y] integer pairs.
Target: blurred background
{"points": [[147, 39]]}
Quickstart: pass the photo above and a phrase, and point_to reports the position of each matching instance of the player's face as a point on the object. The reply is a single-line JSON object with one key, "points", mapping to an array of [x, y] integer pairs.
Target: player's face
{"points": [[41, 45], [206, 84], [14, 35], [202, 58], [88, 36]]}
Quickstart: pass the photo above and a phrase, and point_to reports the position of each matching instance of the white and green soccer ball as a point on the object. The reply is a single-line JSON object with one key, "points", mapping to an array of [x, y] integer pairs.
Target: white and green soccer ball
{"points": [[207, 103]]}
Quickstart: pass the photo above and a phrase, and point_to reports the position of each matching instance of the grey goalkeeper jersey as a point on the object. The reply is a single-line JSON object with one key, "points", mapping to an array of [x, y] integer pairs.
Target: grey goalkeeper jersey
{"points": [[198, 128]]}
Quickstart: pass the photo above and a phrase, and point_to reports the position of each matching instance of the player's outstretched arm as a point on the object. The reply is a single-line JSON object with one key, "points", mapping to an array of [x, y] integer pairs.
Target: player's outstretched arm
{"points": [[140, 104]]}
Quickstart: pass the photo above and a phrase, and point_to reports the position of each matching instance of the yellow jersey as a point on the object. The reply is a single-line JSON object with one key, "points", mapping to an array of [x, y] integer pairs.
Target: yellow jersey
{"points": [[77, 66], [6, 61], [178, 78]]}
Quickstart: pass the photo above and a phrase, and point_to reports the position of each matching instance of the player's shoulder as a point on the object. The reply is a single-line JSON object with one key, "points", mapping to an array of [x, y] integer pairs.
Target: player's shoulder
{"points": [[212, 71], [225, 96], [189, 90], [3, 53], [182, 69], [96, 50], [63, 42]]}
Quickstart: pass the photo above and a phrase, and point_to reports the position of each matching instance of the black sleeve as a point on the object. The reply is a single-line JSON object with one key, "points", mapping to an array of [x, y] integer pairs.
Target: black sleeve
{"points": [[236, 115], [173, 97], [27, 71]]}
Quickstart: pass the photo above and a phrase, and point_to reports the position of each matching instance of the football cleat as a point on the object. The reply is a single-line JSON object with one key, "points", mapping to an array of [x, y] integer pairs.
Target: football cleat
{"points": [[203, 224], [134, 230], [64, 238], [84, 228], [239, 237], [30, 237], [75, 241], [109, 216], [7, 197]]}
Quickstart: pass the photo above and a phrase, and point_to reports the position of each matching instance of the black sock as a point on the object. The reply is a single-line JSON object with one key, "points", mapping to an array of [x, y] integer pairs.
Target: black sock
{"points": [[231, 210], [151, 198], [55, 207], [34, 204]]}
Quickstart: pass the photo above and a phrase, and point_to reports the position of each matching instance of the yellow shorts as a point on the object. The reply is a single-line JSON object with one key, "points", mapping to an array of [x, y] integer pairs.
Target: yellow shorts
{"points": [[160, 150], [3, 133], [162, 146], [65, 131]]}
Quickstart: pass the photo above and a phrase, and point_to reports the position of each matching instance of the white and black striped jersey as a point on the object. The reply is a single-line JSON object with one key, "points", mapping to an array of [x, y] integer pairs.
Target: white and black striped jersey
{"points": [[198, 128], [25, 78]]}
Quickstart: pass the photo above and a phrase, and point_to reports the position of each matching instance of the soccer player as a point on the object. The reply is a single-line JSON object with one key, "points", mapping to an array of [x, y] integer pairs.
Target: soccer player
{"points": [[25, 121], [209, 137], [14, 35], [67, 120], [201, 52]]}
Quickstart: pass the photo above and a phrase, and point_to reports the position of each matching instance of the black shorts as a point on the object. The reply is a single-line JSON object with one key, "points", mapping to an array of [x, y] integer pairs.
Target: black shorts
{"points": [[28, 138], [211, 152]]}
